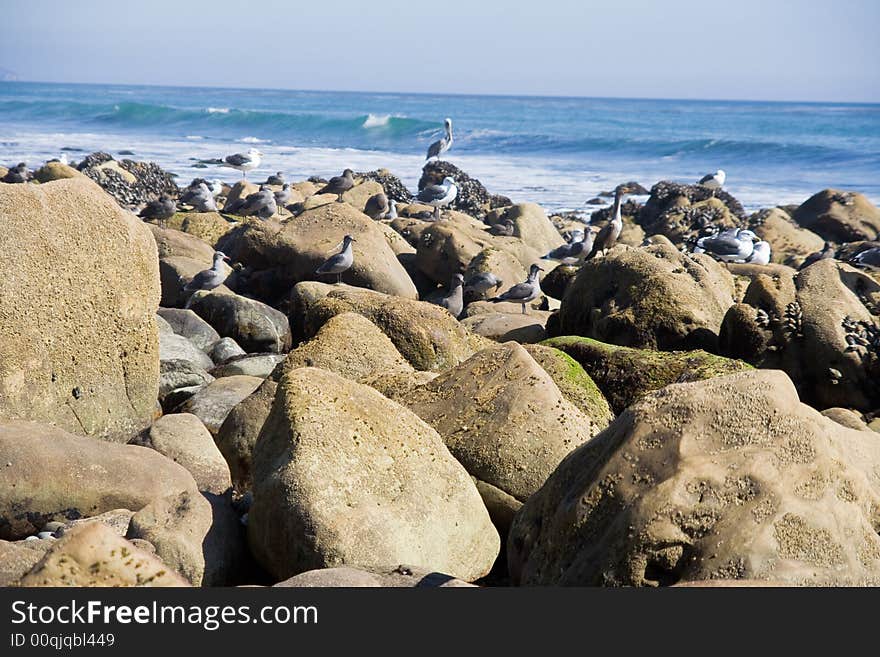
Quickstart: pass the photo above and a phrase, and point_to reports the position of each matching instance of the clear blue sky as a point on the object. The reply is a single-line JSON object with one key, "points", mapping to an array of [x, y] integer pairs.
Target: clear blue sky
{"points": [[741, 49]]}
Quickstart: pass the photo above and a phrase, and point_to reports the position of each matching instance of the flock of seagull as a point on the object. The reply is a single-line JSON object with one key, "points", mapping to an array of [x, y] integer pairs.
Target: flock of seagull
{"points": [[735, 245]]}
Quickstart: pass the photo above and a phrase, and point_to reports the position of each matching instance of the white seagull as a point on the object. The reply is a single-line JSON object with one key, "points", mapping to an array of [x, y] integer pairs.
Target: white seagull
{"points": [[244, 162], [760, 254], [439, 195], [713, 181], [730, 245], [443, 144]]}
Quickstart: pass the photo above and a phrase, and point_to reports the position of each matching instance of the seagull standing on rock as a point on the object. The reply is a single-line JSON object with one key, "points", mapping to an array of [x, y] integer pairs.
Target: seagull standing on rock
{"points": [[282, 196], [439, 195], [610, 232], [162, 209], [339, 185], [244, 162], [729, 246], [524, 292], [340, 262], [200, 198], [713, 181], [259, 204], [208, 279], [17, 174], [443, 144], [276, 178], [577, 250], [480, 284], [392, 209], [453, 300]]}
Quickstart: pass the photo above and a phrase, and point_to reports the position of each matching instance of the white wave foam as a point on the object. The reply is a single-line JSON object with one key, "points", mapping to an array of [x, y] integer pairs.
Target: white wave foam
{"points": [[253, 140], [217, 110], [376, 120], [194, 137]]}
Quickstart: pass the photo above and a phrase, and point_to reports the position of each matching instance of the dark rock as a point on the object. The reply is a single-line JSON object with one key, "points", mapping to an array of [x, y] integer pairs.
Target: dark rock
{"points": [[472, 199], [393, 186]]}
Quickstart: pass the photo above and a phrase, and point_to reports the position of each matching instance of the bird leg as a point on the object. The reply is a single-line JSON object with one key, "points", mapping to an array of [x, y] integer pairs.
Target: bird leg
{"points": [[339, 279], [524, 309]]}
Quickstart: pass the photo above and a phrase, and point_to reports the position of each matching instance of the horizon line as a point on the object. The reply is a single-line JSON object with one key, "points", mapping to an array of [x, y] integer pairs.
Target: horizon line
{"points": [[450, 93]]}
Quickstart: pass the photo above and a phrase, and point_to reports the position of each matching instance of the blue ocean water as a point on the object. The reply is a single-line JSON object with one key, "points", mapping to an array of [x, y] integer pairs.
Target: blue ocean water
{"points": [[555, 151]]}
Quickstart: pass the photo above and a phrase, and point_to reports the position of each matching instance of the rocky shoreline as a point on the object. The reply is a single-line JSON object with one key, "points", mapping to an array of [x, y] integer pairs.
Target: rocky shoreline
{"points": [[657, 417]]}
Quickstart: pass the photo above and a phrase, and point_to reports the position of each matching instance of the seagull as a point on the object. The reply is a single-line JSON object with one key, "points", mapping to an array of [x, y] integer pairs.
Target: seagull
{"points": [[828, 251], [525, 292], [575, 251], [392, 210], [244, 162], [439, 195], [728, 246], [453, 300], [760, 254], [443, 144], [282, 196], [713, 181], [869, 259], [480, 284], [276, 179], [199, 197], [339, 185], [64, 159], [208, 279], [216, 187], [377, 206], [340, 262], [610, 232], [17, 174], [164, 208], [260, 204]]}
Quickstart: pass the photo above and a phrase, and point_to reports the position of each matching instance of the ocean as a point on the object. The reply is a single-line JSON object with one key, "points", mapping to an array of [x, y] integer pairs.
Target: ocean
{"points": [[558, 152]]}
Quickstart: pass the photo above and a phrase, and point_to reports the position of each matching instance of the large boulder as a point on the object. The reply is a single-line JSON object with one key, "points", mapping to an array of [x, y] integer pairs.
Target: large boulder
{"points": [[344, 476], [653, 297], [347, 577], [94, 555], [727, 478], [186, 323], [55, 170], [427, 336], [504, 418], [77, 311], [624, 374], [294, 250], [331, 349], [252, 324], [820, 327], [172, 243], [504, 327], [49, 474], [840, 216]]}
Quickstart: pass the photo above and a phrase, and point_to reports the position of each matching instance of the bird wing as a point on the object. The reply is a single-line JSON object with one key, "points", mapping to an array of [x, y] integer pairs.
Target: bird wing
{"points": [[517, 292], [434, 149], [709, 177], [237, 159], [722, 244], [432, 193], [330, 264]]}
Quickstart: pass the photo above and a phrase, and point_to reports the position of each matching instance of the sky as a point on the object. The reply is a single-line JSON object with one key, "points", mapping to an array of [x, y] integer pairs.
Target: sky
{"points": [[810, 50]]}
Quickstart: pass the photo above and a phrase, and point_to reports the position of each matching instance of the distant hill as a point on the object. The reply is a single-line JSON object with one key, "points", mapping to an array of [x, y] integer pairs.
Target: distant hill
{"points": [[7, 76]]}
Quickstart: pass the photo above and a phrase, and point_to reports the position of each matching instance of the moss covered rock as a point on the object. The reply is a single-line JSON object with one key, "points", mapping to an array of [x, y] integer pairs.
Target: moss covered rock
{"points": [[624, 374]]}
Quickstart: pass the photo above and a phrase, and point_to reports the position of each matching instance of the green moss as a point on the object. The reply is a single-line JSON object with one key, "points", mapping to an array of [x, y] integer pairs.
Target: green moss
{"points": [[624, 374], [573, 381]]}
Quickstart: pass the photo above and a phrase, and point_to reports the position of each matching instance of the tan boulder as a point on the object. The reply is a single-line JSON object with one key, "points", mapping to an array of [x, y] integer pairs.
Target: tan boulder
{"points": [[213, 403], [531, 224], [727, 478], [790, 243], [55, 171], [294, 251], [344, 476], [427, 336], [653, 297], [839, 216], [77, 310], [171, 243], [503, 417], [358, 195], [239, 432], [347, 577], [504, 327], [49, 474], [93, 555]]}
